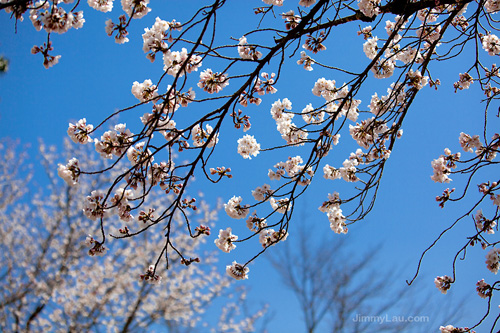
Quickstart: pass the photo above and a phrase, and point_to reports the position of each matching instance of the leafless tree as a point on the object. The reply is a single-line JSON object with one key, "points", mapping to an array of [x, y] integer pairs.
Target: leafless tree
{"points": [[341, 289]]}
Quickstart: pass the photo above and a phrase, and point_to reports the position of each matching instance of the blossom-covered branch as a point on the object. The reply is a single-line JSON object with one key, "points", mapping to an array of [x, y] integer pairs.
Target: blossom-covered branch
{"points": [[204, 67]]}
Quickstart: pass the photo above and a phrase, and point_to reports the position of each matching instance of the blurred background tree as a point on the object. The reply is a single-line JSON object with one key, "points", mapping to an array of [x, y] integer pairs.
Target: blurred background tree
{"points": [[50, 283]]}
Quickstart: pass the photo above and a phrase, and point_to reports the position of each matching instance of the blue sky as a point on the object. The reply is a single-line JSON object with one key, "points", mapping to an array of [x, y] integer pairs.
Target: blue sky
{"points": [[94, 78]]}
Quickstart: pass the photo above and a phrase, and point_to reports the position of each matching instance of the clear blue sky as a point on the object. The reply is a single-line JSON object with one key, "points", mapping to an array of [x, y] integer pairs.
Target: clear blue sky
{"points": [[94, 78]]}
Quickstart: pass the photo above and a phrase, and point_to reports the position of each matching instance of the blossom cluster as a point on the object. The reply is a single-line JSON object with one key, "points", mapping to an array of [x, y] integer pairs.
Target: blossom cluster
{"points": [[442, 166], [201, 136], [369, 7], [492, 260], [247, 51], [121, 203], [69, 172], [79, 132], [255, 223], [96, 248], [135, 8], [234, 208], [150, 276], [145, 91], [483, 224], [280, 205], [269, 237], [332, 209], [247, 146], [291, 20], [94, 207], [120, 28], [488, 151], [492, 6], [453, 329], [368, 132], [395, 100], [114, 142], [464, 82], [262, 193], [154, 38], [468, 143], [346, 172], [101, 5], [292, 169], [54, 18], [225, 240], [491, 44], [443, 283], [237, 271], [339, 102], [212, 82], [483, 289], [385, 63], [178, 63], [288, 130]]}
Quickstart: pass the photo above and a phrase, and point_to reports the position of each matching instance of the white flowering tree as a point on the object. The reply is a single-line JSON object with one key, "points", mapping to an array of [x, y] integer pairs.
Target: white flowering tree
{"points": [[228, 77], [49, 284]]}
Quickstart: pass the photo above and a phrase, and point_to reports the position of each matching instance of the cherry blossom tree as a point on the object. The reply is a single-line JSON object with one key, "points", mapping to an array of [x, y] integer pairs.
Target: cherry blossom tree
{"points": [[49, 283], [228, 77]]}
